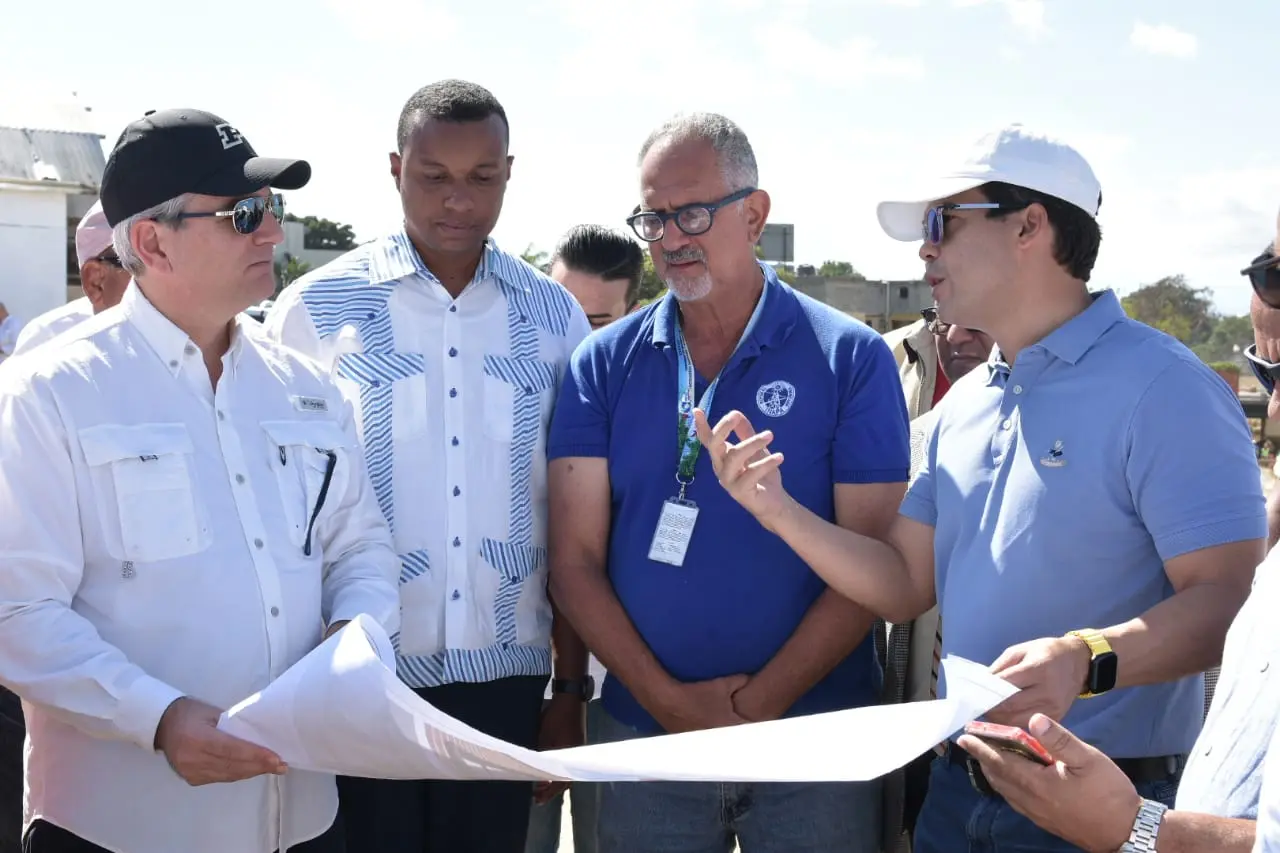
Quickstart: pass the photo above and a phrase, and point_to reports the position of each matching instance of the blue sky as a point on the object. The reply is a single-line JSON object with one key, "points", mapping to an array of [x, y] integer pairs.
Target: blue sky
{"points": [[1174, 103]]}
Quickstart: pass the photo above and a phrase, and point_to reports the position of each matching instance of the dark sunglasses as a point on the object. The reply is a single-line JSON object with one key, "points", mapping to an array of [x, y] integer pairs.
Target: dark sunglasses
{"points": [[110, 260], [246, 214], [1264, 371], [1264, 276], [692, 219], [933, 229]]}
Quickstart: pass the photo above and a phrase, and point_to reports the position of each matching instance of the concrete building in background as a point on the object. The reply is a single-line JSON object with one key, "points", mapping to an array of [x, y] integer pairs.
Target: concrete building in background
{"points": [[882, 305], [51, 163], [294, 246]]}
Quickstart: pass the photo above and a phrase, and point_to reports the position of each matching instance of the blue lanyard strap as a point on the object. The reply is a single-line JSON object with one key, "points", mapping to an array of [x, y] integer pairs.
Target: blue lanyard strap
{"points": [[686, 431]]}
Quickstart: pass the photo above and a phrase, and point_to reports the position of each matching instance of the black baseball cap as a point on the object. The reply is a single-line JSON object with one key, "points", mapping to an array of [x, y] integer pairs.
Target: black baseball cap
{"points": [[170, 152]]}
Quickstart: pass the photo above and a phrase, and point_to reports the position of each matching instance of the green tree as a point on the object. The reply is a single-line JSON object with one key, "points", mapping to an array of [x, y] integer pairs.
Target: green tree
{"points": [[838, 269], [1230, 336], [651, 287], [288, 272], [536, 258], [1175, 307], [324, 233]]}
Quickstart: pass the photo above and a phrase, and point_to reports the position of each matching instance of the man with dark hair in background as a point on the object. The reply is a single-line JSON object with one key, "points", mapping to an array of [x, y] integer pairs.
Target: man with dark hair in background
{"points": [[450, 348]]}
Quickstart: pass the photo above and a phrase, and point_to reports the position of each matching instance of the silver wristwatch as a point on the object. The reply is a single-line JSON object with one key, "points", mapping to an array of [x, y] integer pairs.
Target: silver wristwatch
{"points": [[1145, 828]]}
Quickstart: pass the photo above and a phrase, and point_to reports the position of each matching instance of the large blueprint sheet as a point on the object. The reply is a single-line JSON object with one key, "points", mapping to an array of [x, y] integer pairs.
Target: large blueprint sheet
{"points": [[342, 710]]}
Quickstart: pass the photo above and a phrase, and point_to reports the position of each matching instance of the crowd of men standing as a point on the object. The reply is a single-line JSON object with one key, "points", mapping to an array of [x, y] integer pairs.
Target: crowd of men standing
{"points": [[530, 483]]}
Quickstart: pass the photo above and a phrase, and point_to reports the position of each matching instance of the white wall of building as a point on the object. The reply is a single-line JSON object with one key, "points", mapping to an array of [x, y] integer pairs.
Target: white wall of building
{"points": [[33, 250]]}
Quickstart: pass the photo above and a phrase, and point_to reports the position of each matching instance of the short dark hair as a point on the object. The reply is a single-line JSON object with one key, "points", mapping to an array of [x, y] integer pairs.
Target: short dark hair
{"points": [[606, 252], [1077, 235], [447, 100]]}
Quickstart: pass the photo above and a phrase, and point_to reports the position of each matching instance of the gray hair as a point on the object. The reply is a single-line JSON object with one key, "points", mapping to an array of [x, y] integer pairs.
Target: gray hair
{"points": [[737, 160], [120, 233]]}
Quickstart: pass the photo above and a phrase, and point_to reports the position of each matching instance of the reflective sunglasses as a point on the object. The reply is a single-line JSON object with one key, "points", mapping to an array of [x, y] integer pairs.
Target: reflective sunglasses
{"points": [[1264, 371], [246, 214], [932, 229], [1264, 276], [692, 219]]}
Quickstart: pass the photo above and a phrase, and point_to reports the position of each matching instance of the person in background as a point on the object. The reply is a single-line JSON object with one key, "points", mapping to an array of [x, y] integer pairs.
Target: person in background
{"points": [[704, 618], [1089, 513], [102, 278], [931, 354], [601, 267], [184, 514], [10, 328], [1229, 799], [451, 348], [1264, 276]]}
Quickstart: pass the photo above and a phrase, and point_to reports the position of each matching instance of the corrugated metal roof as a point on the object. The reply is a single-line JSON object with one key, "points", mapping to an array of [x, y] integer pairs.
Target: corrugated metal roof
{"points": [[69, 158]]}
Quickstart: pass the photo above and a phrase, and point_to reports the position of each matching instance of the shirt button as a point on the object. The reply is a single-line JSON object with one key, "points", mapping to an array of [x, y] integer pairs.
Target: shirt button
{"points": [[275, 611], [1017, 389], [456, 542], [257, 543], [453, 309], [528, 390], [455, 441], [456, 595], [221, 416], [189, 350], [1005, 425], [239, 478], [456, 491], [453, 392], [453, 351], [173, 363]]}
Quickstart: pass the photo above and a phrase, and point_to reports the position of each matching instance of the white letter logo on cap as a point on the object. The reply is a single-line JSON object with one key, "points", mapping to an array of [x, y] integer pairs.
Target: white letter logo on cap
{"points": [[229, 135]]}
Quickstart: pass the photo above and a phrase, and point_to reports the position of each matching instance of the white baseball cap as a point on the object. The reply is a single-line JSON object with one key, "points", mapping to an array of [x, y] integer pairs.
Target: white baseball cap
{"points": [[93, 234], [1012, 155]]}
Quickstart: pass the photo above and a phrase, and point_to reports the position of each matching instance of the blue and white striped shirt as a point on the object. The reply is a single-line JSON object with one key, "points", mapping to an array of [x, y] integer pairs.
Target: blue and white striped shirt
{"points": [[453, 399]]}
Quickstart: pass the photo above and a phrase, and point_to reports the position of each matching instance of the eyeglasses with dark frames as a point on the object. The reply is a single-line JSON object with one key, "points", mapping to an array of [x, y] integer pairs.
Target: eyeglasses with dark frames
{"points": [[933, 228], [1264, 277], [692, 219], [247, 213]]}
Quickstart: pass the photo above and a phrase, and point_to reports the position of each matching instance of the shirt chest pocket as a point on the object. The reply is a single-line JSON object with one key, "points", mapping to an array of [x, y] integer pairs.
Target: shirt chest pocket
{"points": [[145, 490], [389, 386], [311, 463], [518, 393]]}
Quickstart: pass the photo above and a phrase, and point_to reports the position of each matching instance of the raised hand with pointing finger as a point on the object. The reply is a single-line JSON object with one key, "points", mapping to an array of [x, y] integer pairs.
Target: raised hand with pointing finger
{"points": [[746, 469]]}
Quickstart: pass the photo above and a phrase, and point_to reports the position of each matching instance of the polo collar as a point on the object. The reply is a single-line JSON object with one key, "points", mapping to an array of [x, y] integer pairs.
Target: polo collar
{"points": [[1070, 341], [777, 317]]}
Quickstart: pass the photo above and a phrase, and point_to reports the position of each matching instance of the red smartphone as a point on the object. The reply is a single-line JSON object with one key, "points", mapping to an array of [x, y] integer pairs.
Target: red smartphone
{"points": [[1010, 739]]}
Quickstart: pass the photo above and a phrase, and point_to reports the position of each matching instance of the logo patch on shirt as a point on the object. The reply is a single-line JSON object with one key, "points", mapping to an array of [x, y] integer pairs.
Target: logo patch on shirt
{"points": [[311, 404], [1054, 459], [775, 398]]}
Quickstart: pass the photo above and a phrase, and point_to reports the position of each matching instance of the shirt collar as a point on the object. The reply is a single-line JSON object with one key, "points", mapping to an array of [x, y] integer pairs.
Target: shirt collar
{"points": [[1070, 341], [777, 317], [393, 258], [172, 345]]}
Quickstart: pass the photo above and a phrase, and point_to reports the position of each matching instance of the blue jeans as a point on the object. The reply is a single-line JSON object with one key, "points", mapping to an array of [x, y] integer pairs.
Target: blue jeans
{"points": [[955, 818], [707, 817], [584, 803]]}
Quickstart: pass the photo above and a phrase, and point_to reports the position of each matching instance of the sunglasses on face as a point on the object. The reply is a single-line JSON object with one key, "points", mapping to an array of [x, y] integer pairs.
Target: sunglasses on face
{"points": [[1264, 277], [933, 229], [110, 260], [247, 214], [1264, 371], [692, 219]]}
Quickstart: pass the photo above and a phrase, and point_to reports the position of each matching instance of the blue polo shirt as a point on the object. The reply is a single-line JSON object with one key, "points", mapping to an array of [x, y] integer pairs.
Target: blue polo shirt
{"points": [[1059, 487], [827, 386]]}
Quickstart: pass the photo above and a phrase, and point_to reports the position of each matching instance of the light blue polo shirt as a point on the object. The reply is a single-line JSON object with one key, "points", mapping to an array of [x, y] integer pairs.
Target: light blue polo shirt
{"points": [[1057, 489], [828, 387]]}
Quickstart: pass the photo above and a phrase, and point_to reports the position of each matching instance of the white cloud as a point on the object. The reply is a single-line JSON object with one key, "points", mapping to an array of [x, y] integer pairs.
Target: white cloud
{"points": [[1164, 40], [1027, 16]]}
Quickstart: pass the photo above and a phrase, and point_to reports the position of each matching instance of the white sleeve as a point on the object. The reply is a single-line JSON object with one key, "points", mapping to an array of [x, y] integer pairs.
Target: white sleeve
{"points": [[288, 322], [49, 654], [361, 569], [1267, 839]]}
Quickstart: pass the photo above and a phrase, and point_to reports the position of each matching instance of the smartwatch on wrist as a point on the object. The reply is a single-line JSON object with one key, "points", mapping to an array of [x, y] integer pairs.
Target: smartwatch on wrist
{"points": [[1103, 663], [583, 687]]}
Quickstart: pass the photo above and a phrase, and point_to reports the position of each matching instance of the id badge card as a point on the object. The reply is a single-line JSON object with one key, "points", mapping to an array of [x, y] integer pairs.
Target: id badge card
{"points": [[675, 530]]}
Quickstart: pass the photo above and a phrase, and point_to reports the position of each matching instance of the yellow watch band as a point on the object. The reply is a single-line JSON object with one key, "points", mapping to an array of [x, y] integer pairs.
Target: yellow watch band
{"points": [[1092, 638]]}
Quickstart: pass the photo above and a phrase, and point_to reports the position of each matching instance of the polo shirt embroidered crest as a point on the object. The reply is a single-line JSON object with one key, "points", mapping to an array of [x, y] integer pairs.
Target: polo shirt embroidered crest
{"points": [[453, 397], [739, 592]]}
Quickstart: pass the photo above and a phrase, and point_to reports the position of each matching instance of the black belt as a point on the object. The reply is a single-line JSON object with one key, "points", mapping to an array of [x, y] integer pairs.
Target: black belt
{"points": [[1139, 770]]}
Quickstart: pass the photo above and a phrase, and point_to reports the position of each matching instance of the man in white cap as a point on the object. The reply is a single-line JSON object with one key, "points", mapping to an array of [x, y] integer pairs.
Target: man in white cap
{"points": [[1089, 513], [102, 277]]}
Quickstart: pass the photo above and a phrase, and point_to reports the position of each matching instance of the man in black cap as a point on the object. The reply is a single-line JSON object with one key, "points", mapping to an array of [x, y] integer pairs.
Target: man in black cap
{"points": [[184, 510]]}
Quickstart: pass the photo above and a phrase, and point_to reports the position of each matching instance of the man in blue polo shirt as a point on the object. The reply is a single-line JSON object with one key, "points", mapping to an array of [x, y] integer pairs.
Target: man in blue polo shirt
{"points": [[702, 617], [1089, 514]]}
